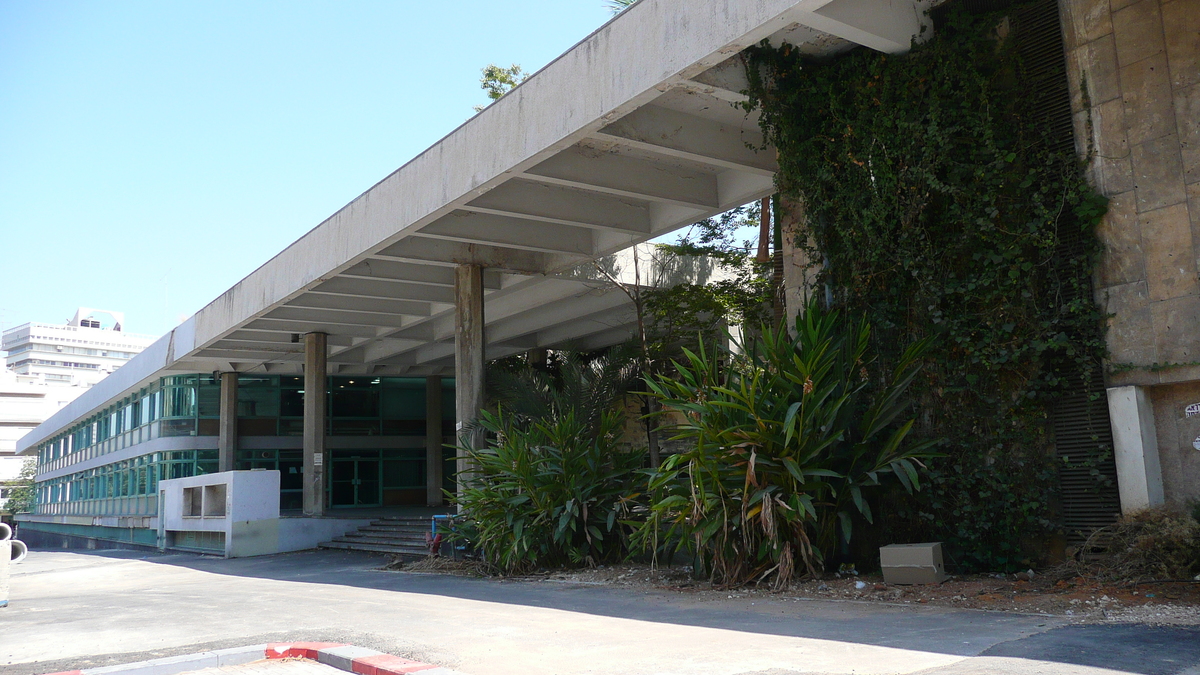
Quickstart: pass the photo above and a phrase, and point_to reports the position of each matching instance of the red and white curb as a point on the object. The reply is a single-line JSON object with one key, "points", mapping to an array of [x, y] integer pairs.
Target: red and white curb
{"points": [[344, 657]]}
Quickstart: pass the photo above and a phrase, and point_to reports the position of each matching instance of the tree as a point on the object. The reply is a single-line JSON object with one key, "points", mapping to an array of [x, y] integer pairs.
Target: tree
{"points": [[618, 6], [497, 81], [21, 497]]}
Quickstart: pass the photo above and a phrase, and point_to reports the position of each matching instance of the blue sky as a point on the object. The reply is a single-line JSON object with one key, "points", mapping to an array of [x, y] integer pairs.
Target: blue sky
{"points": [[154, 153]]}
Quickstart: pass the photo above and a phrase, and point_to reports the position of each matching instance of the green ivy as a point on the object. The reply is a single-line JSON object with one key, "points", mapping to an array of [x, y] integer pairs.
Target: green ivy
{"points": [[942, 209]]}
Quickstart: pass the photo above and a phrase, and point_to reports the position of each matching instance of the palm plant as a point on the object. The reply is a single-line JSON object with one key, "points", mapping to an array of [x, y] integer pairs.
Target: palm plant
{"points": [[587, 385], [787, 440], [553, 484], [549, 493], [618, 6]]}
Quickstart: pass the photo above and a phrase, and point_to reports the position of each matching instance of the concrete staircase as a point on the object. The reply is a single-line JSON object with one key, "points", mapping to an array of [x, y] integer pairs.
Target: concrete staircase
{"points": [[400, 536]]}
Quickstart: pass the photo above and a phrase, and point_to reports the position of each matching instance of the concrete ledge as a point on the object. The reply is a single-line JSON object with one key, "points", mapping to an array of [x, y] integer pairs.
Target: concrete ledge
{"points": [[343, 657], [173, 665]]}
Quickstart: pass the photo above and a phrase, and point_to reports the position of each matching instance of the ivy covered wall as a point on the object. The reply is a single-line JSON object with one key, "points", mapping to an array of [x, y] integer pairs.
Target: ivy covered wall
{"points": [[930, 195]]}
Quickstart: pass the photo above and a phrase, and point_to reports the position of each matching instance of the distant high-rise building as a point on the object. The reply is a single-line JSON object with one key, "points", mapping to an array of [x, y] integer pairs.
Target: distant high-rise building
{"points": [[48, 366]]}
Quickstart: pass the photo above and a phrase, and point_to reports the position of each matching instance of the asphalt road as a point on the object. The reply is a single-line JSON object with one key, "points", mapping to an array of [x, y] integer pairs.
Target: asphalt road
{"points": [[75, 610]]}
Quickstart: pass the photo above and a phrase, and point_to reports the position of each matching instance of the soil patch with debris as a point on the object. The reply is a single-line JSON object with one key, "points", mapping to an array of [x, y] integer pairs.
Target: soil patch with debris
{"points": [[1085, 599]]}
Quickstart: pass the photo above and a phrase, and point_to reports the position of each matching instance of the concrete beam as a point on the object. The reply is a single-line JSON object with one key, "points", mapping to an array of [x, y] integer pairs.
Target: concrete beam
{"points": [[360, 304], [315, 463], [396, 270], [292, 327], [272, 337], [536, 293], [564, 206], [228, 355], [501, 230], [334, 316], [678, 134], [725, 81], [599, 322], [382, 288], [428, 353], [451, 253], [888, 26], [385, 347], [624, 175], [608, 338], [565, 311]]}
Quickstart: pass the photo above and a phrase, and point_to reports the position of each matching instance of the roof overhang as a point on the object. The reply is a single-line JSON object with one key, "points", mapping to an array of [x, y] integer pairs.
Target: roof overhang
{"points": [[631, 134]]}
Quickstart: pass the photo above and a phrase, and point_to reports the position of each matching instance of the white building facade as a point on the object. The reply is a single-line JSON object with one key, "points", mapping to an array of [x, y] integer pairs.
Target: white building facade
{"points": [[48, 366]]}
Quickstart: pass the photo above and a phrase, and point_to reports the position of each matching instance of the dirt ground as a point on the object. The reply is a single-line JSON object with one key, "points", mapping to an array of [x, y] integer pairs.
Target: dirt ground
{"points": [[1088, 601]]}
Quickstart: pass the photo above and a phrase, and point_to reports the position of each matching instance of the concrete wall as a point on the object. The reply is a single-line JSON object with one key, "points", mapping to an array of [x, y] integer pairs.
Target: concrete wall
{"points": [[1134, 68], [247, 512], [1178, 434]]}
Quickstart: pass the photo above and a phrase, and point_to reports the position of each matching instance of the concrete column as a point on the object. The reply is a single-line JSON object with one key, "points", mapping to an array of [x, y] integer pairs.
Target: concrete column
{"points": [[468, 358], [800, 268], [1135, 447], [227, 441], [433, 441], [315, 355]]}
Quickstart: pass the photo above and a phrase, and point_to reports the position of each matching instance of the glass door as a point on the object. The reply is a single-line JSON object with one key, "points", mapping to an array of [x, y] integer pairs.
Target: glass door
{"points": [[354, 481]]}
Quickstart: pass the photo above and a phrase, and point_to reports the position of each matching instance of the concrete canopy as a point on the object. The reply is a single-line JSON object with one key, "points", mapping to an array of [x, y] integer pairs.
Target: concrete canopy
{"points": [[630, 134]]}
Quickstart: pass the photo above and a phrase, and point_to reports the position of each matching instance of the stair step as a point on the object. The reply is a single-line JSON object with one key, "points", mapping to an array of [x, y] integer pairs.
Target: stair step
{"points": [[394, 520], [392, 541], [388, 533], [376, 548]]}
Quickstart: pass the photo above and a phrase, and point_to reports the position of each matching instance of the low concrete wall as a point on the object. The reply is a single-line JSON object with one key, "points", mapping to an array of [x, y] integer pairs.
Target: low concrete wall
{"points": [[42, 540], [242, 505], [298, 534]]}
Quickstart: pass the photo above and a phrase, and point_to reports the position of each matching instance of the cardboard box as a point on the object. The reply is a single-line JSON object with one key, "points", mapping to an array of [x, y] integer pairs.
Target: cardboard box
{"points": [[912, 563]]}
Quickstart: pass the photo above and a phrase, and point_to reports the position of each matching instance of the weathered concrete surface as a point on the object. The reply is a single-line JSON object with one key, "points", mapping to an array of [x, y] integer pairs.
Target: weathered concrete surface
{"points": [[1135, 90], [316, 353], [68, 607]]}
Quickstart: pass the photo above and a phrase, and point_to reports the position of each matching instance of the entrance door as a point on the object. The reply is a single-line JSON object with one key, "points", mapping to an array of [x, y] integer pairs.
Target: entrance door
{"points": [[354, 481]]}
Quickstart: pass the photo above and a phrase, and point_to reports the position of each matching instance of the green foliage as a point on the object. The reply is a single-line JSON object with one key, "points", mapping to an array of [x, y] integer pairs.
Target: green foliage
{"points": [[787, 442], [549, 492], [498, 81], [618, 6], [587, 385], [553, 482], [21, 498], [941, 208], [681, 314]]}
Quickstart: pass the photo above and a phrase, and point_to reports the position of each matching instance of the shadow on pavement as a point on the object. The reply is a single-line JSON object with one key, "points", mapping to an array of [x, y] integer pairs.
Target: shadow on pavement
{"points": [[1139, 649]]}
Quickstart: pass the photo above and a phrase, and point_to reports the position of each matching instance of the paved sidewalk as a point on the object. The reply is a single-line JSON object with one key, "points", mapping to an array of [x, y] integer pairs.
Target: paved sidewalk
{"points": [[77, 610]]}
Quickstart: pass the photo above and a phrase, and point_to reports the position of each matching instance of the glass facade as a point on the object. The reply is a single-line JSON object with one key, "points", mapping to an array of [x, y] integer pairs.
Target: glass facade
{"points": [[268, 405], [128, 487]]}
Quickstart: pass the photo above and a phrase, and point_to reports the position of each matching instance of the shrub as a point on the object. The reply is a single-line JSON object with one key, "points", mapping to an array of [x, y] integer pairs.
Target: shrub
{"points": [[787, 441], [548, 493], [1159, 543]]}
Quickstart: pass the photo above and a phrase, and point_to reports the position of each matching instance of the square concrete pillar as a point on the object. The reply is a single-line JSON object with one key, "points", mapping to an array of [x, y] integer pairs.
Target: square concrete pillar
{"points": [[315, 363], [433, 441], [227, 442], [1135, 448], [468, 360]]}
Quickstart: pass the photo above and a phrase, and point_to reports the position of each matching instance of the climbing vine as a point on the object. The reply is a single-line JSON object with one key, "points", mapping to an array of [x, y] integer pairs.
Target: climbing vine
{"points": [[938, 205]]}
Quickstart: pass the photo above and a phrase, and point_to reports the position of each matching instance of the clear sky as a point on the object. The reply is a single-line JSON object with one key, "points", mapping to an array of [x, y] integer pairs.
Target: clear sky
{"points": [[152, 154]]}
